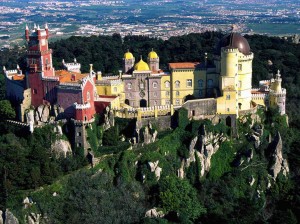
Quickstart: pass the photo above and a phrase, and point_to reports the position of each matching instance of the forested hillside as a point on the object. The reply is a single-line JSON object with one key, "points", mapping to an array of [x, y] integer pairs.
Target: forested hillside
{"points": [[238, 187]]}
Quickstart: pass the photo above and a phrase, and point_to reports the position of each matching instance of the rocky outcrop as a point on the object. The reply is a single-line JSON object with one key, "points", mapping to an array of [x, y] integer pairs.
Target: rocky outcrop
{"points": [[153, 213], [155, 168], [278, 163], [10, 218], [148, 134], [109, 119], [61, 148], [42, 114], [203, 146], [33, 218]]}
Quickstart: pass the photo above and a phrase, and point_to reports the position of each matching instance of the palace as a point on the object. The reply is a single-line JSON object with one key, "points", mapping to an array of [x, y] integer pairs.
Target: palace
{"points": [[142, 89]]}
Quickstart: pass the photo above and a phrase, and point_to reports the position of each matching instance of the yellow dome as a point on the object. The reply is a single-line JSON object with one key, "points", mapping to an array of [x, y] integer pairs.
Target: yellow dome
{"points": [[152, 54], [141, 66], [128, 55]]}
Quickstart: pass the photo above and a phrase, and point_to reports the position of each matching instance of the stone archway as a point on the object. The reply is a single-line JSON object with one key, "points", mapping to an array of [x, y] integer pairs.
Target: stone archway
{"points": [[228, 121], [143, 103], [127, 101]]}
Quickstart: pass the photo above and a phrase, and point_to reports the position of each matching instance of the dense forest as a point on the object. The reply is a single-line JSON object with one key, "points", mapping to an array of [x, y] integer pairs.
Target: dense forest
{"points": [[115, 190]]}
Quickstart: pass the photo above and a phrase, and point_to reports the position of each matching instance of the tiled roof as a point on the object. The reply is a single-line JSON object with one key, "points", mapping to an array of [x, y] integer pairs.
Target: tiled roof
{"points": [[184, 65], [68, 76], [18, 77]]}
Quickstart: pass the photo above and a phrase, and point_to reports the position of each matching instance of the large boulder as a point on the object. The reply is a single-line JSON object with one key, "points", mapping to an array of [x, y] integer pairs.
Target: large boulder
{"points": [[153, 213], [61, 148]]}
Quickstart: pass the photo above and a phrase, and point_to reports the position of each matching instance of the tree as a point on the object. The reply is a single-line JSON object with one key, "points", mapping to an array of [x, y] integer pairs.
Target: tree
{"points": [[6, 110], [179, 196]]}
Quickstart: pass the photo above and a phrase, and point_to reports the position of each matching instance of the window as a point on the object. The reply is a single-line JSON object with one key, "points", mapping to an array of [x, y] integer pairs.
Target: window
{"points": [[88, 96], [78, 144], [129, 95], [115, 89], [142, 85], [129, 85], [177, 84], [47, 61], [200, 93], [227, 109], [155, 103], [239, 93], [177, 93], [167, 93], [177, 102], [167, 84], [240, 67], [240, 84], [155, 94], [200, 83], [78, 133], [154, 84], [189, 83], [210, 83], [227, 97], [34, 91], [167, 102]]}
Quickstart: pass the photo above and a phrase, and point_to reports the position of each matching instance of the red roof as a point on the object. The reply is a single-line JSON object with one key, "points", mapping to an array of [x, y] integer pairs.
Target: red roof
{"points": [[184, 65]]}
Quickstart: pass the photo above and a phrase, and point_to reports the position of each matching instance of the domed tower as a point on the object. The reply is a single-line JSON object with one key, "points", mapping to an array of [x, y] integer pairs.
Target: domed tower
{"points": [[153, 61], [235, 72], [277, 95], [128, 62]]}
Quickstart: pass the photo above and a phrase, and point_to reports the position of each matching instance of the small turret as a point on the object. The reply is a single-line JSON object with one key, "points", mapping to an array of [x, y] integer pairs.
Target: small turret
{"points": [[277, 94], [128, 61], [26, 33]]}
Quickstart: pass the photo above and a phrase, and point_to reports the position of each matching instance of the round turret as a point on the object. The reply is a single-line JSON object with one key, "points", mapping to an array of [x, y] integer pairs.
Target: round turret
{"points": [[234, 40], [141, 66]]}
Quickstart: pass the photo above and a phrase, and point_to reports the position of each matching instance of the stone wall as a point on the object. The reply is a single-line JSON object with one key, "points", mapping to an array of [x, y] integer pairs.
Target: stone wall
{"points": [[159, 123], [200, 107]]}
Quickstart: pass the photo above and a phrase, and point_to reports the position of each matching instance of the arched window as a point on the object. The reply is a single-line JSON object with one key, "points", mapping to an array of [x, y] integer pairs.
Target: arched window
{"points": [[177, 102], [177, 93], [167, 93], [129, 85], [177, 84], [115, 89], [88, 96], [200, 83], [154, 84], [167, 84]]}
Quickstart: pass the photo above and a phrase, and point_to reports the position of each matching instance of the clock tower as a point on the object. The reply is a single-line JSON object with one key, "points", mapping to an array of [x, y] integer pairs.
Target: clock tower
{"points": [[39, 62]]}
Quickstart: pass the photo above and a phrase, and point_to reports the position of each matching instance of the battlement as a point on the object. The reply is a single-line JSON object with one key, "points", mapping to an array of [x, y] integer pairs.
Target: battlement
{"points": [[82, 106], [230, 50], [246, 57], [259, 96], [39, 53], [109, 82], [50, 78], [278, 94]]}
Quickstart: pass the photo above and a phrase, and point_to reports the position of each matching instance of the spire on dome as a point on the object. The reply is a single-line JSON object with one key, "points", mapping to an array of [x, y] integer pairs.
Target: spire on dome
{"points": [[4, 68], [46, 26], [34, 26], [26, 27], [38, 27]]}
